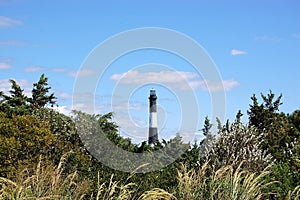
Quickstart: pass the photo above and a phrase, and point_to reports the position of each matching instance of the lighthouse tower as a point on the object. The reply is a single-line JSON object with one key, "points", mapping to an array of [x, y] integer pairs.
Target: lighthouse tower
{"points": [[153, 135]]}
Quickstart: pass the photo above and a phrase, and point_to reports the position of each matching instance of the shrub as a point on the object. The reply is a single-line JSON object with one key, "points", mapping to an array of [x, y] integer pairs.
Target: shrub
{"points": [[235, 145], [22, 140]]}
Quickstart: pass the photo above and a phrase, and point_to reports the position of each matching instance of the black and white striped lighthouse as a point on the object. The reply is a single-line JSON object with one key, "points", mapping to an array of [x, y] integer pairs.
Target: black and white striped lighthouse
{"points": [[153, 135]]}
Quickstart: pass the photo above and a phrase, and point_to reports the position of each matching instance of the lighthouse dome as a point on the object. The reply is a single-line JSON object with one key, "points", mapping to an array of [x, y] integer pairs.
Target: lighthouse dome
{"points": [[152, 91]]}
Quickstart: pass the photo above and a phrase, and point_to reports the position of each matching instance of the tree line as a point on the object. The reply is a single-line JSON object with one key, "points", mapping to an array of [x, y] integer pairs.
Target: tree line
{"points": [[32, 133]]}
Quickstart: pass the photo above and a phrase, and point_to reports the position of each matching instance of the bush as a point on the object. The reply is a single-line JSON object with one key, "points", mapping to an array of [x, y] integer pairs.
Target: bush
{"points": [[235, 145], [22, 140]]}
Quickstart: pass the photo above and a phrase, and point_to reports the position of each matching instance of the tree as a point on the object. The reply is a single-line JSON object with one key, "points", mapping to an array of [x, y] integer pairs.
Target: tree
{"points": [[17, 97], [294, 119], [66, 139], [275, 125], [280, 138], [262, 115], [207, 127], [22, 140], [206, 143], [238, 116], [40, 96], [16, 102], [3, 105]]}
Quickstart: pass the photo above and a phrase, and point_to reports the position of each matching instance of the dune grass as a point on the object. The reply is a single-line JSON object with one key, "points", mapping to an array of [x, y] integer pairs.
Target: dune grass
{"points": [[204, 183], [47, 182], [224, 183]]}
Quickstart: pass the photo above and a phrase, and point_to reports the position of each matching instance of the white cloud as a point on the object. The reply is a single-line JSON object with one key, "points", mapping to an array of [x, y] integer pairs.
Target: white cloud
{"points": [[296, 36], [120, 107], [4, 65], [212, 86], [66, 110], [5, 86], [268, 38], [179, 80], [225, 85], [34, 68], [128, 106], [12, 43], [8, 22], [236, 52], [64, 95], [7, 2], [81, 73], [135, 77], [24, 83], [59, 69]]}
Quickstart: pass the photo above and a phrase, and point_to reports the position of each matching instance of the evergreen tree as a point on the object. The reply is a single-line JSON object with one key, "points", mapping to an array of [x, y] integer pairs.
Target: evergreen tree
{"points": [[275, 125], [40, 96], [16, 102], [2, 101], [206, 143], [17, 97], [262, 115], [238, 116], [207, 127]]}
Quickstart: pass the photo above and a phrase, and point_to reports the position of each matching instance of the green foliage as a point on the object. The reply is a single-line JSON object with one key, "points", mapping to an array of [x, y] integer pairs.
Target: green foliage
{"points": [[66, 139], [39, 94], [209, 140], [110, 130], [228, 164], [16, 103], [287, 179], [281, 139], [22, 140], [266, 118], [19, 104], [17, 97], [28, 142], [207, 127], [294, 119], [238, 116]]}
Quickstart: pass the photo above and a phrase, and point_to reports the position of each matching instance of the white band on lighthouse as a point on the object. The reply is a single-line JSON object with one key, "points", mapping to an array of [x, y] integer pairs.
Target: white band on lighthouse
{"points": [[153, 120]]}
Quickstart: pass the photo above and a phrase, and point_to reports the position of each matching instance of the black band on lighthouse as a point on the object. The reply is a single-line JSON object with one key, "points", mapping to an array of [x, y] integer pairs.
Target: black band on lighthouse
{"points": [[153, 135]]}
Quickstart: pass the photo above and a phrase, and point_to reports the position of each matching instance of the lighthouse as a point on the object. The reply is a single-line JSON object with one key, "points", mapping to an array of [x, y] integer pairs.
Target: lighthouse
{"points": [[153, 135]]}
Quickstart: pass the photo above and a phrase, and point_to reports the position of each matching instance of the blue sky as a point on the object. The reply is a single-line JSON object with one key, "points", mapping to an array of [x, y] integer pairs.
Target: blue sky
{"points": [[255, 46]]}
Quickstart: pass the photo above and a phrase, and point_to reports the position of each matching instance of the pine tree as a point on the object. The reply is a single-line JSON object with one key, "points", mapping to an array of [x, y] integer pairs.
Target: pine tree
{"points": [[209, 139], [274, 124], [238, 116], [16, 102], [40, 95], [17, 97], [207, 127]]}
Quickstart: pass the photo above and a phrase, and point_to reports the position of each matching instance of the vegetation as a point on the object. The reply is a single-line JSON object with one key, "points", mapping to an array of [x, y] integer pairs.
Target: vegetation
{"points": [[42, 156]]}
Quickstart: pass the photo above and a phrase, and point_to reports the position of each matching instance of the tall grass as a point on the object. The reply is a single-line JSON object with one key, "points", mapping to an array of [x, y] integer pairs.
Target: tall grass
{"points": [[48, 182], [206, 183], [157, 193], [224, 183], [114, 190], [294, 195]]}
